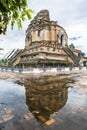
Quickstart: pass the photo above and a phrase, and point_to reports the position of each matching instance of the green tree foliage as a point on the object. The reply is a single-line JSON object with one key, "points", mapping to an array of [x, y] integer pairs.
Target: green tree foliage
{"points": [[4, 60], [1, 48], [13, 11], [71, 46], [82, 54]]}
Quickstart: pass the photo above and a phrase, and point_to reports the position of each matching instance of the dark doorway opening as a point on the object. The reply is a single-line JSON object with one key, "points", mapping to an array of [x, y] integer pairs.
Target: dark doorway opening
{"points": [[61, 39]]}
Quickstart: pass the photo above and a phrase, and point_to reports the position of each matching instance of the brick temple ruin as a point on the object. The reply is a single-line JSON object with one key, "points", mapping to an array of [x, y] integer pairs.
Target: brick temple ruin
{"points": [[46, 44]]}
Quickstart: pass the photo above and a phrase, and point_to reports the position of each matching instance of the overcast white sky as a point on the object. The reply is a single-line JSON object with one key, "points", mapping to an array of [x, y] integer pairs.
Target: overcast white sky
{"points": [[71, 15]]}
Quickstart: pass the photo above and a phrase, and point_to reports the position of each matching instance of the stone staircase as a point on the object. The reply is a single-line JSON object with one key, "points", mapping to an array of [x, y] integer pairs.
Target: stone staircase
{"points": [[72, 55], [16, 55], [10, 54]]}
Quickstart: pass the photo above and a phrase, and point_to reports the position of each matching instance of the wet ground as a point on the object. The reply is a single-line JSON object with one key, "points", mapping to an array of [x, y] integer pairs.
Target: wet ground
{"points": [[57, 105]]}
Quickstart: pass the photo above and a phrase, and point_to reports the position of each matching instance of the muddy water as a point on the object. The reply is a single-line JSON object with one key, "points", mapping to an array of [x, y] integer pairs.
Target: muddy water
{"points": [[45, 104]]}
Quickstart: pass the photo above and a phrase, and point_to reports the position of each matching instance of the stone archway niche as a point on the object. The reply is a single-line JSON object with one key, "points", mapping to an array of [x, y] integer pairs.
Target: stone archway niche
{"points": [[62, 38]]}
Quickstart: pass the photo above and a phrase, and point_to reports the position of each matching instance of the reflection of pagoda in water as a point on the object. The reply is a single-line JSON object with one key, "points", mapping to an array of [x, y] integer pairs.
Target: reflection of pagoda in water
{"points": [[42, 105]]}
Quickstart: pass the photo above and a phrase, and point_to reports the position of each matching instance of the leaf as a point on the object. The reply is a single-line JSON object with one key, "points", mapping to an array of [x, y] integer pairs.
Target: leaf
{"points": [[2, 25], [29, 12], [4, 3], [19, 24], [12, 24], [24, 2], [15, 14], [23, 17]]}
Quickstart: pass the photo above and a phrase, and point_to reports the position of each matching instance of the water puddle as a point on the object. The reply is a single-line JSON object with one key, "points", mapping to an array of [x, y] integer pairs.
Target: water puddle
{"points": [[42, 105]]}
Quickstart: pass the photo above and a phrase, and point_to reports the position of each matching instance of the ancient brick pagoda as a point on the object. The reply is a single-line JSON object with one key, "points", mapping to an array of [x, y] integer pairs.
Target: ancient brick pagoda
{"points": [[46, 43]]}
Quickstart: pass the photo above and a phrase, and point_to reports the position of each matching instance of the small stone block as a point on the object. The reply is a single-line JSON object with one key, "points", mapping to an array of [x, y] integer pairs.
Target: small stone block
{"points": [[42, 119], [1, 120], [28, 116], [81, 108], [7, 111], [47, 108], [50, 122], [7, 117]]}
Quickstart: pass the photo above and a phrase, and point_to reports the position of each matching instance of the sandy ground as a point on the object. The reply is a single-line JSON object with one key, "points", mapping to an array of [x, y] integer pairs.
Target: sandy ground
{"points": [[79, 76], [6, 75]]}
